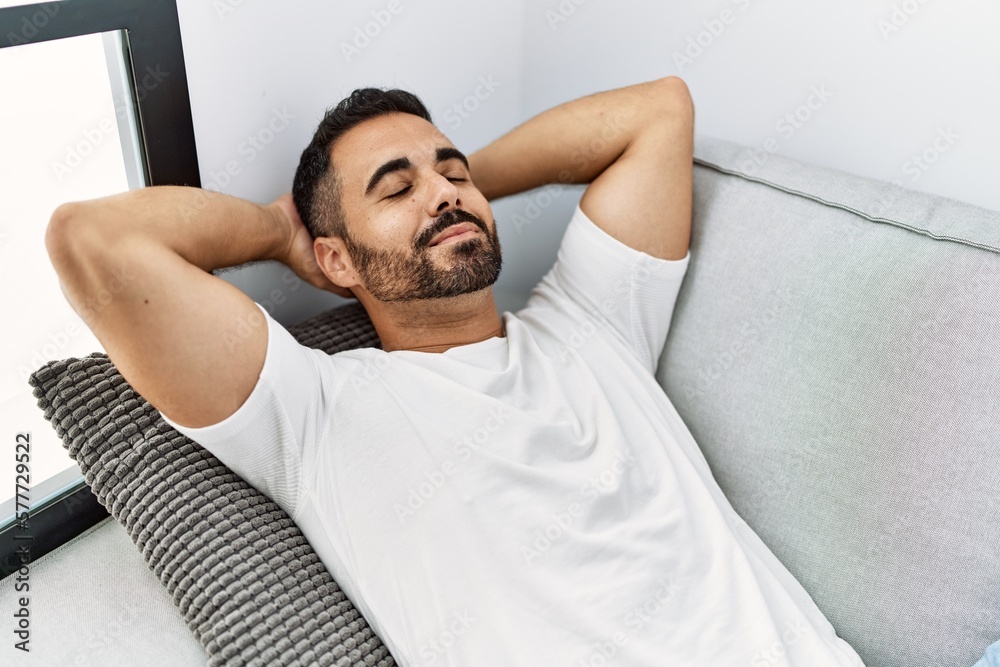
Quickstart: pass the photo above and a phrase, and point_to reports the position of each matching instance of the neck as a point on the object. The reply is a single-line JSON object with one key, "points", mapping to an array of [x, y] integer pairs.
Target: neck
{"points": [[436, 325]]}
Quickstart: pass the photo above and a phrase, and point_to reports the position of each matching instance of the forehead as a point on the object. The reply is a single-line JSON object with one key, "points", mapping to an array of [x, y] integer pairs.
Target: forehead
{"points": [[365, 147]]}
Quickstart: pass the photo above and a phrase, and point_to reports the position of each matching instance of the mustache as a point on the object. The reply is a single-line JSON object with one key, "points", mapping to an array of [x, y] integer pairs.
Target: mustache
{"points": [[453, 217]]}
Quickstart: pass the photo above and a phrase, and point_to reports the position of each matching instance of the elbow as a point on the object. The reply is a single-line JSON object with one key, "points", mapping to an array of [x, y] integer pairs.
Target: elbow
{"points": [[72, 234], [58, 229], [674, 104]]}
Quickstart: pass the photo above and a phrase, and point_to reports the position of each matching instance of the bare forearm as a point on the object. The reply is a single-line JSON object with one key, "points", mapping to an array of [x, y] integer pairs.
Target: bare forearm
{"points": [[570, 143], [208, 229]]}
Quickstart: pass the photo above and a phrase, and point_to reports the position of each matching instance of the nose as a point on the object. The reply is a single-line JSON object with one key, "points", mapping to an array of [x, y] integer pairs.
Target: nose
{"points": [[443, 196]]}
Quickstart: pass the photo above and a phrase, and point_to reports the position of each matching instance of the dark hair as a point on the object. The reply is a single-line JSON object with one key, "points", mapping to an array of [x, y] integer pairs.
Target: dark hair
{"points": [[316, 190]]}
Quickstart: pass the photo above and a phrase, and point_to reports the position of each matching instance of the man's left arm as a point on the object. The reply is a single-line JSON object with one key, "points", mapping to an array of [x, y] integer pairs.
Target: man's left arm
{"points": [[633, 145]]}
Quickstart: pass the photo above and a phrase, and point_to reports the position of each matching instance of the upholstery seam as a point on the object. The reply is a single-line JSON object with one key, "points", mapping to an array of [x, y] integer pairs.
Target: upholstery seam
{"points": [[825, 202]]}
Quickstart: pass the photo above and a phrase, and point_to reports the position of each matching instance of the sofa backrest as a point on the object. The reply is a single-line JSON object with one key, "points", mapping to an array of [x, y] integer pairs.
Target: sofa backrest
{"points": [[835, 352]]}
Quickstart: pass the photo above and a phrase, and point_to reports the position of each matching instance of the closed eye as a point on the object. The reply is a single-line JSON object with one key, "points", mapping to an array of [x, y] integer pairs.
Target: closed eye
{"points": [[400, 193], [453, 179]]}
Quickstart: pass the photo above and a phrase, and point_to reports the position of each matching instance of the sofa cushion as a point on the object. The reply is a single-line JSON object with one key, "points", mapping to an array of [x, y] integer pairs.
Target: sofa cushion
{"points": [[94, 603], [246, 581], [834, 352]]}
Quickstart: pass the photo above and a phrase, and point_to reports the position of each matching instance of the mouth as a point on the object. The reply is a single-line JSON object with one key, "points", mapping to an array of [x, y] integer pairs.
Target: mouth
{"points": [[455, 233]]}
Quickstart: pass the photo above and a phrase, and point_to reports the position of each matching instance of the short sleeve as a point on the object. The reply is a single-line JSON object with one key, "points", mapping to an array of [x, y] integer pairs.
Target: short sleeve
{"points": [[630, 291], [281, 422]]}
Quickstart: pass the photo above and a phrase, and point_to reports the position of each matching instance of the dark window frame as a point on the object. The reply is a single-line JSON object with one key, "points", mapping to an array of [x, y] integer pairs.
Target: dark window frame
{"points": [[166, 139]]}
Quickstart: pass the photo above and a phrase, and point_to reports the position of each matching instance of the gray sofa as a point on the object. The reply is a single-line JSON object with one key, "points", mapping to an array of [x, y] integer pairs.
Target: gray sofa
{"points": [[835, 351]]}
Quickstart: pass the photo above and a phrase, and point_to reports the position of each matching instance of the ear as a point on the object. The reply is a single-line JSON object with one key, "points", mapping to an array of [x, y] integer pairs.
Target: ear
{"points": [[331, 254]]}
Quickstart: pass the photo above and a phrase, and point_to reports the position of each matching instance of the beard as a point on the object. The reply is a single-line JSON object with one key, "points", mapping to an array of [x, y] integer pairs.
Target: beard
{"points": [[464, 266]]}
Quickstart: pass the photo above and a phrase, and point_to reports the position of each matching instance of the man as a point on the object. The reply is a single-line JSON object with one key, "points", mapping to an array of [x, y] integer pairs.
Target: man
{"points": [[487, 489]]}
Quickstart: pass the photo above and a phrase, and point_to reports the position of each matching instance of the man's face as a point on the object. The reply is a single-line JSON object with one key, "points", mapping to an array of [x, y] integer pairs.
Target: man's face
{"points": [[402, 182]]}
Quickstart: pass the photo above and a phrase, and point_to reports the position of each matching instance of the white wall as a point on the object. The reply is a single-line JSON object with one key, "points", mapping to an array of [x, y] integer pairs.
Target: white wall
{"points": [[256, 57], [890, 81], [894, 78]]}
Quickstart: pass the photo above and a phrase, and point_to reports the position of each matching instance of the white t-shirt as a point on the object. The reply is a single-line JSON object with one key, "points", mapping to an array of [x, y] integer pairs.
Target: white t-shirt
{"points": [[533, 499]]}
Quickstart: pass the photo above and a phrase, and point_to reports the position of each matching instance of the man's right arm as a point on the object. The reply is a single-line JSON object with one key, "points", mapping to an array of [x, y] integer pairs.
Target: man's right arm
{"points": [[137, 268]]}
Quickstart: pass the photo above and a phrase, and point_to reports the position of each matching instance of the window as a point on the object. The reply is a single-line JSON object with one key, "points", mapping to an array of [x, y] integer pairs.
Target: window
{"points": [[96, 103]]}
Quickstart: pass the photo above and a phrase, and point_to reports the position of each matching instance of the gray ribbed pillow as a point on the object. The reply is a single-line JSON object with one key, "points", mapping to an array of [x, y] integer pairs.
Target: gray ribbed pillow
{"points": [[248, 584]]}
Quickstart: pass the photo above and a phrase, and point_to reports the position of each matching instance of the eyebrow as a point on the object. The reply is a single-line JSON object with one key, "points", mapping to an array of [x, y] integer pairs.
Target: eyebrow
{"points": [[401, 163], [449, 153]]}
